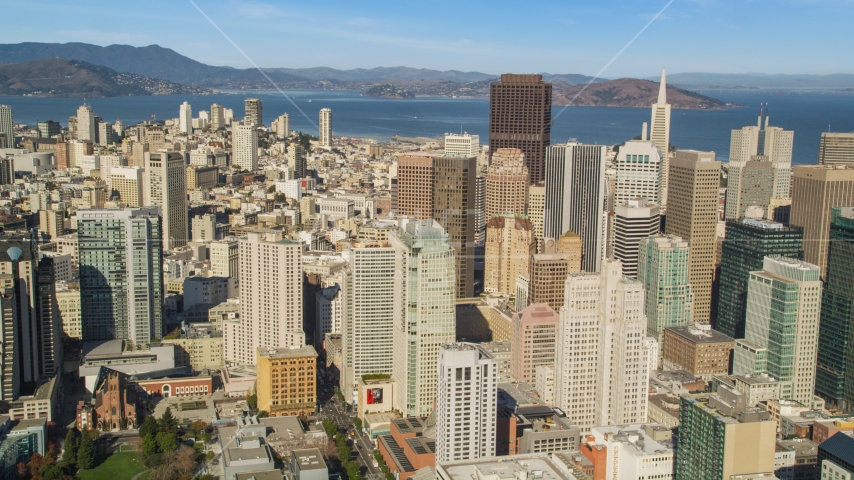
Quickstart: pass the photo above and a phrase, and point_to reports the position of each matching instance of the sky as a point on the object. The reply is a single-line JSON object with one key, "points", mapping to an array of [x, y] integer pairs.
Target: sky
{"points": [[554, 36]]}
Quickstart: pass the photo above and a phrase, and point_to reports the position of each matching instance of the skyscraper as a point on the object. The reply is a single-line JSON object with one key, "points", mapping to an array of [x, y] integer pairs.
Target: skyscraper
{"points": [[775, 146], [660, 134], [816, 190], [835, 368], [245, 148], [506, 183], [165, 186], [217, 117], [549, 269], [575, 198], [781, 332], [86, 124], [750, 184], [638, 166], [121, 278], [185, 118], [127, 182], [368, 289], [693, 215], [634, 221], [536, 210], [663, 272], [509, 245], [47, 128], [520, 116], [532, 341], [425, 312], [325, 126], [443, 188], [7, 127], [282, 125], [602, 367], [296, 159], [744, 249], [462, 144], [253, 112], [270, 297], [466, 403], [836, 148]]}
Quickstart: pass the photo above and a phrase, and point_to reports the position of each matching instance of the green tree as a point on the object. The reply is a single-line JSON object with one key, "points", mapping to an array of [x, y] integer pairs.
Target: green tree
{"points": [[149, 445], [330, 427], [51, 471], [167, 442], [167, 422], [149, 426], [271, 189], [263, 414], [358, 423], [86, 451], [70, 447], [252, 401], [205, 437]]}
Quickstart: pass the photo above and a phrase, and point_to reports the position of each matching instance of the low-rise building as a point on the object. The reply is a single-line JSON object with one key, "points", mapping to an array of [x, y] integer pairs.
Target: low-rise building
{"points": [[200, 347], [19, 440], [308, 464], [631, 451], [535, 465], [407, 448], [155, 362], [698, 349], [796, 459], [287, 380]]}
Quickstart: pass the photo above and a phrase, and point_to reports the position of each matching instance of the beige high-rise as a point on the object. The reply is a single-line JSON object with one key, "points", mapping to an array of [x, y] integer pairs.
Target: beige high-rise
{"points": [[549, 269], [836, 148], [165, 186], [127, 182], [815, 191], [509, 246], [507, 183], [536, 211], [693, 215]]}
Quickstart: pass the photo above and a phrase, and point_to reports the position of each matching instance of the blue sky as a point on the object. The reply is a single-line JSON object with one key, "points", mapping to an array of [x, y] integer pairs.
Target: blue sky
{"points": [[723, 36]]}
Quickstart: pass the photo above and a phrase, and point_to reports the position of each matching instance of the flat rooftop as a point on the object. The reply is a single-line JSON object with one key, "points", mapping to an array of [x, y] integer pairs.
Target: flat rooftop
{"points": [[306, 351], [309, 459], [696, 335]]}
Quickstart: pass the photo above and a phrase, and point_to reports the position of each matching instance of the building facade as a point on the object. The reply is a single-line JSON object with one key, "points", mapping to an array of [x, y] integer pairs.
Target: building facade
{"points": [[663, 263], [287, 381], [510, 243]]}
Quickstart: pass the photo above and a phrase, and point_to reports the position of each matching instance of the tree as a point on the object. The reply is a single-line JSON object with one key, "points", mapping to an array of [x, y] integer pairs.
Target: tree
{"points": [[262, 414], [167, 422], [358, 423], [271, 189], [167, 442], [330, 427], [70, 447], [86, 451], [252, 401], [149, 445], [149, 425], [51, 471], [205, 437]]}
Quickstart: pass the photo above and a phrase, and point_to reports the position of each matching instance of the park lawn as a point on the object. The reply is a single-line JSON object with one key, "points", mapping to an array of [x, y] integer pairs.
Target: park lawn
{"points": [[118, 466]]}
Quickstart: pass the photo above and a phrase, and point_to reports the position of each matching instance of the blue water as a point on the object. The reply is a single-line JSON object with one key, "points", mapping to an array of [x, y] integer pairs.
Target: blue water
{"points": [[808, 114]]}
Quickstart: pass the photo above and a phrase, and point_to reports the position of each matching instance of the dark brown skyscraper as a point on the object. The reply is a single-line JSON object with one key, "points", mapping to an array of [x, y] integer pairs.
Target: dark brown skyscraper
{"points": [[520, 116]]}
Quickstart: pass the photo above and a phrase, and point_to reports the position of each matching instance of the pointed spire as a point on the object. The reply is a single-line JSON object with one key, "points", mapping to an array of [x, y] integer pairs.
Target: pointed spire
{"points": [[662, 88], [767, 117]]}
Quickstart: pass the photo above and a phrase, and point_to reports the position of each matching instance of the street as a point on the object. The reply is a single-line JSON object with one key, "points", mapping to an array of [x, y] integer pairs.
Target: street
{"points": [[360, 444]]}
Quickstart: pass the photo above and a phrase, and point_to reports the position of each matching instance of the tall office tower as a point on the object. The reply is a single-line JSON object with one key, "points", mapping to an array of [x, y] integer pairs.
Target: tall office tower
{"points": [[520, 116], [325, 126], [106, 135], [480, 208], [86, 124], [781, 332], [217, 117], [509, 245], [575, 198], [165, 186], [816, 190], [549, 269], [443, 188], [462, 145], [225, 256], [47, 128], [7, 127], [282, 125], [638, 166], [536, 210], [62, 155], [185, 118], [602, 367], [424, 312], [506, 183], [253, 112], [532, 341], [49, 318], [773, 143], [10, 376], [723, 437], [663, 272], [744, 249], [751, 184], [296, 159], [121, 274], [245, 150], [836, 149], [228, 116], [835, 370], [660, 121], [270, 294], [634, 221], [7, 171], [466, 403], [693, 215], [367, 322], [127, 182]]}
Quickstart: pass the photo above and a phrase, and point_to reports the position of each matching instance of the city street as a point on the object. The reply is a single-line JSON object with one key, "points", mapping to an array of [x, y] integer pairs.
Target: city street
{"points": [[360, 444]]}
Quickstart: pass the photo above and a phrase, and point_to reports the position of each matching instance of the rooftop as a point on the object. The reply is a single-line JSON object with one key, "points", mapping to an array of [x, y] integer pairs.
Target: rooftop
{"points": [[700, 335], [309, 459], [284, 352]]}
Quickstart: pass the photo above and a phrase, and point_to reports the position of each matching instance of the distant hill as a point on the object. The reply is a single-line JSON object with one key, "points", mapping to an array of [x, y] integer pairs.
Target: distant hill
{"points": [[757, 80], [58, 77], [632, 92]]}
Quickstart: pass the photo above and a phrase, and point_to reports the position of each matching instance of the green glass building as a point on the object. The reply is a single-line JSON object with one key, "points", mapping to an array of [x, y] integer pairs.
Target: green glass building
{"points": [[663, 270], [120, 253], [746, 244], [836, 330]]}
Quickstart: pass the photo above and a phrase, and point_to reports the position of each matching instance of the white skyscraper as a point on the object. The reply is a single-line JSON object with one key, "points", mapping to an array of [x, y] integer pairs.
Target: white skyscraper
{"points": [[282, 125], [217, 117], [575, 198], [245, 150], [425, 311], [7, 130], [464, 145], [660, 134], [602, 367], [165, 186], [185, 120], [368, 291], [325, 125], [638, 166], [86, 123], [270, 297], [466, 401]]}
